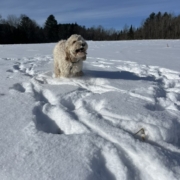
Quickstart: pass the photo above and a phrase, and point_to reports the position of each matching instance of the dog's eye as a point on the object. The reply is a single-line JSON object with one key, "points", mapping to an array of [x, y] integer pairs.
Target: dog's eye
{"points": [[73, 42]]}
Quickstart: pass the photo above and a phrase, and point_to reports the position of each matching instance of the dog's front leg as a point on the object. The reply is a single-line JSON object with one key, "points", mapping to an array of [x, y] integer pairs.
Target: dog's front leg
{"points": [[65, 73], [57, 71], [80, 73]]}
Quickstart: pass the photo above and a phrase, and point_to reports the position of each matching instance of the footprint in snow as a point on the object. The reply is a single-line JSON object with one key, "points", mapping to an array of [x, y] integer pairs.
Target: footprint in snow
{"points": [[10, 70], [18, 87]]}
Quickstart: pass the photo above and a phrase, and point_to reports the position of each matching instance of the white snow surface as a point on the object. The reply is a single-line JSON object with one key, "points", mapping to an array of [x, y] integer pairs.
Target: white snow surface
{"points": [[120, 121]]}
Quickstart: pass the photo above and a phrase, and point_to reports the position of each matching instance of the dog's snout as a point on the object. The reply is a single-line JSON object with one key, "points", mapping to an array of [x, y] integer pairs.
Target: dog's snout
{"points": [[83, 44]]}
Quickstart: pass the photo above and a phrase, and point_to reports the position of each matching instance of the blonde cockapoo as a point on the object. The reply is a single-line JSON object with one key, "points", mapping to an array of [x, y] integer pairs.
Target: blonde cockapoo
{"points": [[69, 56]]}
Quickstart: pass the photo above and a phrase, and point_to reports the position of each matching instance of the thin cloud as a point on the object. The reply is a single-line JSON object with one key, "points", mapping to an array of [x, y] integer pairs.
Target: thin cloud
{"points": [[110, 12]]}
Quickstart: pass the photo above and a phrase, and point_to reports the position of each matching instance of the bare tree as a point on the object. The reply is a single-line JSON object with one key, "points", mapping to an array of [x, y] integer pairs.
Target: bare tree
{"points": [[13, 20], [2, 21]]}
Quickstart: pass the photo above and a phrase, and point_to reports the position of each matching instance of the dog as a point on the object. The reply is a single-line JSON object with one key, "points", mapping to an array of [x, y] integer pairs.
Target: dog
{"points": [[69, 56]]}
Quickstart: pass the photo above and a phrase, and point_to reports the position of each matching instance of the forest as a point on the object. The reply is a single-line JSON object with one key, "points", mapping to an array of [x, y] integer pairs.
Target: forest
{"points": [[23, 30]]}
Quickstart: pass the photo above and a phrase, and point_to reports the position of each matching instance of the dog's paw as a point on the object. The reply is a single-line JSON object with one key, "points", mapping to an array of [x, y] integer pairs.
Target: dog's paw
{"points": [[80, 73]]}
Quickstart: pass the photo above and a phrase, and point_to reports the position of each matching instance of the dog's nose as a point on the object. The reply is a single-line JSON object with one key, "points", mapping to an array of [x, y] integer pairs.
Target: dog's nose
{"points": [[83, 44]]}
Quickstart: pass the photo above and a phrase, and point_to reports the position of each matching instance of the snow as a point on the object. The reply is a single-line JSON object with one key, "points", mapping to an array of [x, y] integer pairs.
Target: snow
{"points": [[120, 121]]}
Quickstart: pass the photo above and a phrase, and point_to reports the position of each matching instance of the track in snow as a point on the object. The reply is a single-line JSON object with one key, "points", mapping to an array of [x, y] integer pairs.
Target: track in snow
{"points": [[83, 108]]}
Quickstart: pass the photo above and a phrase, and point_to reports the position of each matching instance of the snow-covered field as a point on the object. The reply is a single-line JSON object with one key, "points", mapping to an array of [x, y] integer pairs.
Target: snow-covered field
{"points": [[121, 121]]}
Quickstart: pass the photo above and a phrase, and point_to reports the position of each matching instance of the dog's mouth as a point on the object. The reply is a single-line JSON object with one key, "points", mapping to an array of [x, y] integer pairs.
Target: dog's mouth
{"points": [[81, 50]]}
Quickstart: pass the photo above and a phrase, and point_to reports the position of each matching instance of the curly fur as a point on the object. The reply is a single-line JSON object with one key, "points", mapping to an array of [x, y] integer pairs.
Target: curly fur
{"points": [[69, 56]]}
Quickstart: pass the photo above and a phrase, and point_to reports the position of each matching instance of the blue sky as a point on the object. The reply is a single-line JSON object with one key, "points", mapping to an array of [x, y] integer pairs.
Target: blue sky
{"points": [[108, 13]]}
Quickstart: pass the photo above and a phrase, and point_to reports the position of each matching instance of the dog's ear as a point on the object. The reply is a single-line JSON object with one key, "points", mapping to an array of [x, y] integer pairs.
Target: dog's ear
{"points": [[67, 56]]}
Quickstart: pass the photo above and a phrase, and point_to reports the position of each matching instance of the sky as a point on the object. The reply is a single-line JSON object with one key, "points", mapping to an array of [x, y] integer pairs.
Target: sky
{"points": [[107, 13]]}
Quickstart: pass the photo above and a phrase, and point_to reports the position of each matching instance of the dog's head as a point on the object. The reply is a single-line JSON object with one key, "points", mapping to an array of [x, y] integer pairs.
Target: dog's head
{"points": [[76, 48]]}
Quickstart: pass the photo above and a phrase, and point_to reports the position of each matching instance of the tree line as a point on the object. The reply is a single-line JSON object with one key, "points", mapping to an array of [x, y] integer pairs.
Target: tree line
{"points": [[19, 30]]}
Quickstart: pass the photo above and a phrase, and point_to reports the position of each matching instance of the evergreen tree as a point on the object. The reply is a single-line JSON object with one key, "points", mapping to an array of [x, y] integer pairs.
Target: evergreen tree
{"points": [[27, 30], [131, 33], [24, 30], [51, 29]]}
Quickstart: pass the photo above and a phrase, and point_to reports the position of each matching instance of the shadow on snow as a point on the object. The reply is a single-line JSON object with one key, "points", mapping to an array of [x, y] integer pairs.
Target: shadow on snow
{"points": [[118, 75]]}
